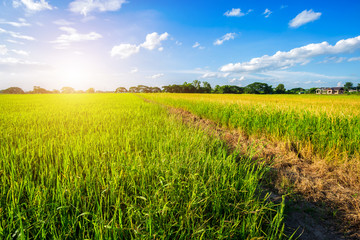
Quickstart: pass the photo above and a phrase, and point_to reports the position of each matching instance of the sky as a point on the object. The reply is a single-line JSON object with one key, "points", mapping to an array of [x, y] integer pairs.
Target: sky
{"points": [[107, 44]]}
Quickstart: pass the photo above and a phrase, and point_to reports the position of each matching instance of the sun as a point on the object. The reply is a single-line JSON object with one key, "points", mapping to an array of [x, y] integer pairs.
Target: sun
{"points": [[76, 71]]}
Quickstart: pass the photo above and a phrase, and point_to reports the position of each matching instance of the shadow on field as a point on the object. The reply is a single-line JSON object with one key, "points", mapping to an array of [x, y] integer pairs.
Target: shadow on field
{"points": [[320, 203]]}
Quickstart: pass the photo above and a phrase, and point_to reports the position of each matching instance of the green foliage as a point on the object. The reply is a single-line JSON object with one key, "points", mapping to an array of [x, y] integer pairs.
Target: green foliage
{"points": [[111, 166], [67, 90], [90, 90], [348, 86], [13, 90], [280, 89], [258, 88]]}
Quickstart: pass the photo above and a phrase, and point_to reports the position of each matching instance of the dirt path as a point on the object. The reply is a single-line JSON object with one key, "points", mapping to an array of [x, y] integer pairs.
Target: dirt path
{"points": [[323, 202]]}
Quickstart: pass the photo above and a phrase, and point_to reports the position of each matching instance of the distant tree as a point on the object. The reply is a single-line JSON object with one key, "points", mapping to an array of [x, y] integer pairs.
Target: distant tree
{"points": [[197, 85], [90, 90], [206, 87], [67, 90], [133, 89], [358, 87], [155, 89], [348, 86], [55, 91], [121, 90], [295, 90], [228, 89], [312, 90], [13, 90], [39, 90], [280, 89], [258, 88], [79, 91]]}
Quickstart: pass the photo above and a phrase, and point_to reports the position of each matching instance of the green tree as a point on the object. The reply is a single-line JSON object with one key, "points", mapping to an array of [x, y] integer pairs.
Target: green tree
{"points": [[280, 89], [348, 86], [121, 90], [206, 87], [13, 90], [90, 90], [197, 85], [258, 88], [67, 90]]}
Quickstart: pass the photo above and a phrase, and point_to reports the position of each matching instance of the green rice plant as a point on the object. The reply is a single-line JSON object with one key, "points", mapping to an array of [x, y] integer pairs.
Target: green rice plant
{"points": [[329, 124], [111, 166]]}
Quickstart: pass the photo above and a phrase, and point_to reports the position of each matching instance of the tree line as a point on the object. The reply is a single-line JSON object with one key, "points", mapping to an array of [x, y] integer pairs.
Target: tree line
{"points": [[195, 87]]}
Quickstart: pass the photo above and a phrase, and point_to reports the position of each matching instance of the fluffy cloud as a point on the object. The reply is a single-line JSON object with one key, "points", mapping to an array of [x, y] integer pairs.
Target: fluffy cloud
{"points": [[354, 59], [86, 6], [124, 50], [134, 70], [197, 45], [301, 55], [215, 75], [10, 61], [267, 12], [63, 22], [3, 50], [235, 12], [155, 76], [16, 35], [32, 5], [304, 17], [242, 78], [71, 35], [22, 23], [152, 41], [224, 38]]}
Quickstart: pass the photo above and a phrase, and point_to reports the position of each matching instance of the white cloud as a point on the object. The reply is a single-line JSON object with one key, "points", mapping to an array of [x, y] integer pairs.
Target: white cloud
{"points": [[16, 35], [301, 55], [354, 59], [178, 43], [71, 35], [197, 45], [339, 84], [153, 40], [21, 52], [155, 76], [215, 75], [86, 6], [124, 50], [224, 38], [22, 23], [63, 22], [15, 61], [15, 42], [32, 5], [333, 59], [267, 13], [3, 50], [242, 78], [134, 70], [304, 17], [235, 12]]}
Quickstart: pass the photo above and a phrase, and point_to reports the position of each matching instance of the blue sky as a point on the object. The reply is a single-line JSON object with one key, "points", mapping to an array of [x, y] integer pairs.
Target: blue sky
{"points": [[110, 43]]}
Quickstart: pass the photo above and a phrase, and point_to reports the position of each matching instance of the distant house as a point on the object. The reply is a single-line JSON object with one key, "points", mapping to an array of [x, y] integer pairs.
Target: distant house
{"points": [[352, 91], [334, 90]]}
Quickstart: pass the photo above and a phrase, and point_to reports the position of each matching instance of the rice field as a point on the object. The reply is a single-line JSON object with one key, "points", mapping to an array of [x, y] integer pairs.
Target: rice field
{"points": [[111, 166], [328, 125]]}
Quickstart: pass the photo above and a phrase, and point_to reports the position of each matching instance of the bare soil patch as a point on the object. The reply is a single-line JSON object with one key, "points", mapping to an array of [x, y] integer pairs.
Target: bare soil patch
{"points": [[324, 200]]}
